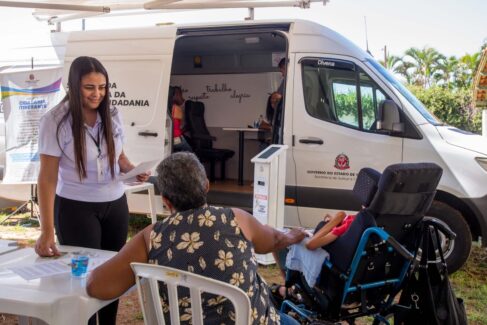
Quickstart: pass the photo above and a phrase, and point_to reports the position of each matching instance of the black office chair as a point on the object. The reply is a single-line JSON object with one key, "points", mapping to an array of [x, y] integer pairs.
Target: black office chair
{"points": [[201, 140]]}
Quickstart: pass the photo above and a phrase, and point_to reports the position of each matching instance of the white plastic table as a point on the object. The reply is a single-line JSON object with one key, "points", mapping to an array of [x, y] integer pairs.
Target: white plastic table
{"points": [[7, 246], [55, 300]]}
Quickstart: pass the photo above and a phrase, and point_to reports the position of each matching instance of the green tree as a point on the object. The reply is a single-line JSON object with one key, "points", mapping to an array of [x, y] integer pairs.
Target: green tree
{"points": [[427, 62], [405, 69], [454, 107], [467, 66], [447, 73], [392, 62]]}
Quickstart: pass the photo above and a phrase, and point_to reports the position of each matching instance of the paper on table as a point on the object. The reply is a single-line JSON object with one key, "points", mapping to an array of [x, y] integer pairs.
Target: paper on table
{"points": [[45, 269], [41, 270], [139, 169]]}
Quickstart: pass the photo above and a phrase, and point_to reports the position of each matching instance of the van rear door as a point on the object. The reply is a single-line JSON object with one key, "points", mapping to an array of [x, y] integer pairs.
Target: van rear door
{"points": [[334, 131], [138, 62]]}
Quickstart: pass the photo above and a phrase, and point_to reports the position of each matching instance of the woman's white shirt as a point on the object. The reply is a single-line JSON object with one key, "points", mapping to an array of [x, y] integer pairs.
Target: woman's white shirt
{"points": [[69, 186]]}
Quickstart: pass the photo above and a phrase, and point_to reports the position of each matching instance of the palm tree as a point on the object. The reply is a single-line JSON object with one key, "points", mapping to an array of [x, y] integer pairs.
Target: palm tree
{"points": [[405, 69], [467, 67], [392, 62], [427, 61], [448, 71]]}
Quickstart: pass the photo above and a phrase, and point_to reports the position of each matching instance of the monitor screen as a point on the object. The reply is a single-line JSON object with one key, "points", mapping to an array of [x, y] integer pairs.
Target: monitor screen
{"points": [[266, 154]]}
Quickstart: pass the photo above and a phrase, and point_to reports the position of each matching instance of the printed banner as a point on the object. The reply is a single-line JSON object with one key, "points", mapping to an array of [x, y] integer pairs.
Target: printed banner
{"points": [[26, 96]]}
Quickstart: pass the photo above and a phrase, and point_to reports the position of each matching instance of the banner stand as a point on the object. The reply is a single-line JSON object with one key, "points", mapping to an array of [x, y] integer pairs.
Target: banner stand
{"points": [[26, 95], [34, 207]]}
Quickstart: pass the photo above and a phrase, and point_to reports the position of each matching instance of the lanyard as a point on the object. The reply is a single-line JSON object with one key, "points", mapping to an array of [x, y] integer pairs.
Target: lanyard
{"points": [[96, 141]]}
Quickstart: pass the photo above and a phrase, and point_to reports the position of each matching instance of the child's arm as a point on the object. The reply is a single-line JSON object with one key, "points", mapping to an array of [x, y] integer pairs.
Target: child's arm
{"points": [[323, 236], [317, 242]]}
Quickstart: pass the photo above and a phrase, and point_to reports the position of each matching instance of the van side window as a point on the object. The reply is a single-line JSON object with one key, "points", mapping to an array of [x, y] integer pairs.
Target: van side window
{"points": [[340, 92]]}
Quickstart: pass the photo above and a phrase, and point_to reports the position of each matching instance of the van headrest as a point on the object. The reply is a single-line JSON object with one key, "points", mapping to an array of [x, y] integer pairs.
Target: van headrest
{"points": [[366, 185], [406, 189]]}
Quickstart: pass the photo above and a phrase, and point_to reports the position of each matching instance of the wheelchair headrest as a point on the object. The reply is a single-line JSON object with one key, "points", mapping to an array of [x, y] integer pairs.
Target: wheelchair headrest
{"points": [[366, 185], [406, 189]]}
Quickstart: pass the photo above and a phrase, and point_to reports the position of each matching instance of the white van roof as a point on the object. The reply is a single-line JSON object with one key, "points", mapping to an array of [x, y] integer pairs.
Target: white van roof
{"points": [[304, 36]]}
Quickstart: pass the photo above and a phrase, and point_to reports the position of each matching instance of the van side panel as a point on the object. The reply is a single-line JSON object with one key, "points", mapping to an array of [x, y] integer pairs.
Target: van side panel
{"points": [[138, 62]]}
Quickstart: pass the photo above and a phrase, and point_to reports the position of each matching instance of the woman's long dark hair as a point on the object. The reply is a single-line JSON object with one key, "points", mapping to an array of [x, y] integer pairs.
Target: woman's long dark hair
{"points": [[80, 67], [269, 111]]}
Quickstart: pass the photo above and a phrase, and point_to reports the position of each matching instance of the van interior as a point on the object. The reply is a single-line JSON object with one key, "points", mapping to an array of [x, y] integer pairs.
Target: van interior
{"points": [[232, 73]]}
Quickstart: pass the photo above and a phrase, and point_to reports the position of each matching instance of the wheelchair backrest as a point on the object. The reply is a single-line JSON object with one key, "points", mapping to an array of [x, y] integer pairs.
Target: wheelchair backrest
{"points": [[405, 193]]}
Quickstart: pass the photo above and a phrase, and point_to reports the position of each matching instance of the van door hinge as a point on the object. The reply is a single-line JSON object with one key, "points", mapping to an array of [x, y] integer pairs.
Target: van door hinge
{"points": [[293, 140]]}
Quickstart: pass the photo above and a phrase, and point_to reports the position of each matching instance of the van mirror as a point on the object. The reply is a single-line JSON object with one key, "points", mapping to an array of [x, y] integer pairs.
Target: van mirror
{"points": [[389, 118]]}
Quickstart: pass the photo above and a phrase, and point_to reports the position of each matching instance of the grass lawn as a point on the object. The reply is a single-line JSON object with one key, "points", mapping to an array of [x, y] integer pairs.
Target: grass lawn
{"points": [[470, 282]]}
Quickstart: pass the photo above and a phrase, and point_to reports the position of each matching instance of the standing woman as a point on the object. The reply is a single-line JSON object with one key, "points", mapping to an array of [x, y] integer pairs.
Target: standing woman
{"points": [[81, 154]]}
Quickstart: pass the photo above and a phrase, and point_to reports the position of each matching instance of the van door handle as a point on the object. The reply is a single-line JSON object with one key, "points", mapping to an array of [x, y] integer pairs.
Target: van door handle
{"points": [[311, 141], [148, 134]]}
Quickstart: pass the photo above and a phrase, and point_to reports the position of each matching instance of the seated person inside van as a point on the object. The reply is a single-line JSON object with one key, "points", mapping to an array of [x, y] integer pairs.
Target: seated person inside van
{"points": [[177, 113], [282, 68]]}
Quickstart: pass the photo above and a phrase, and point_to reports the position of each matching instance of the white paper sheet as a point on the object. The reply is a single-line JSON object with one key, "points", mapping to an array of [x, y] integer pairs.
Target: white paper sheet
{"points": [[46, 269], [139, 169], [41, 270]]}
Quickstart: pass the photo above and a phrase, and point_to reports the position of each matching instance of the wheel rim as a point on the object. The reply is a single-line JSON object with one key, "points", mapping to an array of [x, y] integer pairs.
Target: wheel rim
{"points": [[447, 245]]}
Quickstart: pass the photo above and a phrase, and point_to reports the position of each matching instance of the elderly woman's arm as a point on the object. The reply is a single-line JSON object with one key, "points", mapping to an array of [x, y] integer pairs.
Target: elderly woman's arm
{"points": [[114, 277], [265, 238]]}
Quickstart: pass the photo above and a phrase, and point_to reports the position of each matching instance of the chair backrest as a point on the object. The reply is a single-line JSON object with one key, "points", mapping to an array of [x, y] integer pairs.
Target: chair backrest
{"points": [[150, 301], [404, 195], [196, 125]]}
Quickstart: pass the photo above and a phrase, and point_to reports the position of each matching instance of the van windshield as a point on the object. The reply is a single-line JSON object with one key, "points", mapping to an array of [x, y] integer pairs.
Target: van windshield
{"points": [[405, 92]]}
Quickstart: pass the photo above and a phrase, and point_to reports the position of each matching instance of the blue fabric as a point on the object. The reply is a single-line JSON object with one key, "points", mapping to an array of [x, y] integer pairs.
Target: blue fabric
{"points": [[308, 262], [287, 320]]}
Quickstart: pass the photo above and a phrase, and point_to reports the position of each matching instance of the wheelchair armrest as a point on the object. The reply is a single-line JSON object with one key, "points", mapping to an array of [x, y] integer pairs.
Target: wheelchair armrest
{"points": [[203, 137], [399, 248], [441, 226]]}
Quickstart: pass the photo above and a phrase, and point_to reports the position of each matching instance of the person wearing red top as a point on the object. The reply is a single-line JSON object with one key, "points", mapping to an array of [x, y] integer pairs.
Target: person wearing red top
{"points": [[326, 232], [177, 114], [334, 227]]}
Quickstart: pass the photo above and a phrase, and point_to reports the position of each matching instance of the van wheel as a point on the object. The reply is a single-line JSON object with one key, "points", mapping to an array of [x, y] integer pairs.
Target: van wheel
{"points": [[456, 251]]}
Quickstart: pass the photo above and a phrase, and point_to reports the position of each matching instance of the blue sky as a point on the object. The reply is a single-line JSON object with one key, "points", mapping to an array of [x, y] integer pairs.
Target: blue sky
{"points": [[453, 27]]}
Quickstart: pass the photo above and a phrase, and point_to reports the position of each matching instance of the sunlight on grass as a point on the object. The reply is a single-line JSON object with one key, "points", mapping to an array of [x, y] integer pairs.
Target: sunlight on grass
{"points": [[470, 284]]}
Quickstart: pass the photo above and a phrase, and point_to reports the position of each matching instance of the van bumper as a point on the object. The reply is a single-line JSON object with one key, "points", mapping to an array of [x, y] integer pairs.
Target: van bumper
{"points": [[479, 208]]}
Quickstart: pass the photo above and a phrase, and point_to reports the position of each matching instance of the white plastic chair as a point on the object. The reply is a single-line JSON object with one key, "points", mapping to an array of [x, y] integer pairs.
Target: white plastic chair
{"points": [[148, 275]]}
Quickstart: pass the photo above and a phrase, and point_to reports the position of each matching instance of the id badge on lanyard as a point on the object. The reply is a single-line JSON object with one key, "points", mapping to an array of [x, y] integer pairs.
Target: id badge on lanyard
{"points": [[99, 159], [99, 168]]}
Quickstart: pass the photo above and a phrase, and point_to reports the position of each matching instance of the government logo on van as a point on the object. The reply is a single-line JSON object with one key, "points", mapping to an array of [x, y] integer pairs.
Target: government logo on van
{"points": [[342, 162]]}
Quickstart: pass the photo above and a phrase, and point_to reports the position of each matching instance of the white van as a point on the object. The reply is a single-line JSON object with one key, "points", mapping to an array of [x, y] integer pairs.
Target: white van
{"points": [[332, 120]]}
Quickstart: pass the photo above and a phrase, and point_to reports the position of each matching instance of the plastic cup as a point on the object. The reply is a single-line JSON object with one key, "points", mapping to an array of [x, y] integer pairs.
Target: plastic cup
{"points": [[79, 265]]}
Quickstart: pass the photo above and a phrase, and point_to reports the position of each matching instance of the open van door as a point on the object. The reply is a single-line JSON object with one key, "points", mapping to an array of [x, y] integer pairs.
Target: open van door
{"points": [[335, 133], [138, 62]]}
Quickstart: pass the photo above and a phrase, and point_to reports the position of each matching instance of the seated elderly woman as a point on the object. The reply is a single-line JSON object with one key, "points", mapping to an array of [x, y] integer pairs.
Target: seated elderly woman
{"points": [[212, 241]]}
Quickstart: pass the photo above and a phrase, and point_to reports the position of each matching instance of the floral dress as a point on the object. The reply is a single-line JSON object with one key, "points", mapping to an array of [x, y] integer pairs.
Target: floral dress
{"points": [[209, 242]]}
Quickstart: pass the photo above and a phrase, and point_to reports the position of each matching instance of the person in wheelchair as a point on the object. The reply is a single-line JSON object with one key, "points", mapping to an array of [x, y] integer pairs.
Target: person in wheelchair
{"points": [[301, 258], [368, 264], [328, 230]]}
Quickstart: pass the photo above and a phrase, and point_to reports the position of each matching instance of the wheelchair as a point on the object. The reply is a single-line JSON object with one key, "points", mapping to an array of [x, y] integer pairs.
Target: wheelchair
{"points": [[369, 263]]}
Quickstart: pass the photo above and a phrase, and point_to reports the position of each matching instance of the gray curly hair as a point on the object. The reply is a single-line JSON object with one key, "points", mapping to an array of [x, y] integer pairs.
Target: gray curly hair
{"points": [[182, 180]]}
